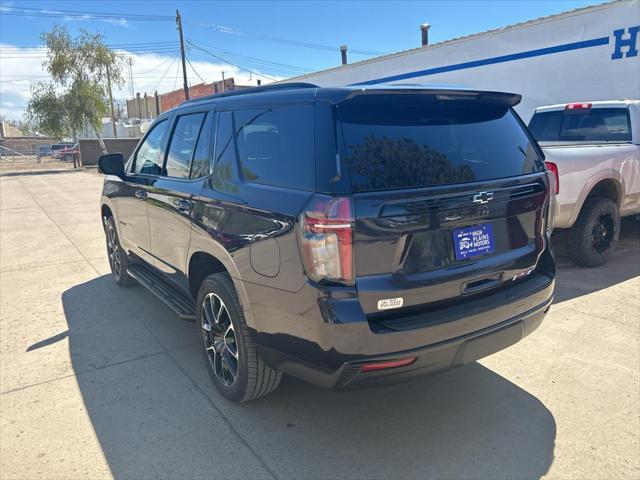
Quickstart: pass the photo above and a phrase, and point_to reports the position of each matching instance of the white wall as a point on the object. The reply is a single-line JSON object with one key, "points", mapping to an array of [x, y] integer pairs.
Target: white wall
{"points": [[577, 75]]}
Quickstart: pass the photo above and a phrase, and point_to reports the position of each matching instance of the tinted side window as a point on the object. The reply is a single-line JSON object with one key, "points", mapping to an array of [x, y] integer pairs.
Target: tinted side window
{"points": [[202, 156], [183, 143], [276, 145], [225, 148], [149, 157]]}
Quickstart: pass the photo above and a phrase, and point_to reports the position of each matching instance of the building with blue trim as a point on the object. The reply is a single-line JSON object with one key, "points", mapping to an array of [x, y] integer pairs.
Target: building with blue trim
{"points": [[582, 55]]}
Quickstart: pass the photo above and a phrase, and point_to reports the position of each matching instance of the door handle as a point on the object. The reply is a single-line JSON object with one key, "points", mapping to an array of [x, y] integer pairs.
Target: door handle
{"points": [[141, 194], [184, 205], [481, 284]]}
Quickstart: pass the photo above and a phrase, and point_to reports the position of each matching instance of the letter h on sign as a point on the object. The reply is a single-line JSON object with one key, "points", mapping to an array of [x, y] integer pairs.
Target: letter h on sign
{"points": [[625, 42]]}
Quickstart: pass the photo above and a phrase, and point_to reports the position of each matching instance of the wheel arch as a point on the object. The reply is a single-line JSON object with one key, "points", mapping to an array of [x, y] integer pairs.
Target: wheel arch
{"points": [[107, 210], [606, 183], [202, 263]]}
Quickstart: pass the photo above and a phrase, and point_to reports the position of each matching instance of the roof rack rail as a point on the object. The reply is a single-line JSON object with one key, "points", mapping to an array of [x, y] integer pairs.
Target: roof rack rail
{"points": [[245, 91]]}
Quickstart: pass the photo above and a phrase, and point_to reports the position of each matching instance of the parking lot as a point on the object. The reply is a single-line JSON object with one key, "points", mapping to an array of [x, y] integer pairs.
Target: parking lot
{"points": [[98, 381]]}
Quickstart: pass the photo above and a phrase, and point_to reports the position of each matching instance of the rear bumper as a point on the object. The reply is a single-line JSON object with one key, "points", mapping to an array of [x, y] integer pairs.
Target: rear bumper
{"points": [[429, 359], [321, 334]]}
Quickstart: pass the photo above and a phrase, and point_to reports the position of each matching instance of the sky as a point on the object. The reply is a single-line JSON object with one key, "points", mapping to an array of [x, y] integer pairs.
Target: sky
{"points": [[246, 40]]}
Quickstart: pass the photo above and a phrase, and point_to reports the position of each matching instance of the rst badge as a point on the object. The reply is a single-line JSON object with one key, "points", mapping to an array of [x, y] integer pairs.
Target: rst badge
{"points": [[389, 303]]}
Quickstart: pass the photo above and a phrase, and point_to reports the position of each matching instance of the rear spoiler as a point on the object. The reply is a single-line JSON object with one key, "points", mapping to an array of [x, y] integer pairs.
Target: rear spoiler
{"points": [[500, 98]]}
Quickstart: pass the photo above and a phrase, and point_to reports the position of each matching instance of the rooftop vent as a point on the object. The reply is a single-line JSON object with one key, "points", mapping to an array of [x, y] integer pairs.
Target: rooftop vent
{"points": [[424, 28]]}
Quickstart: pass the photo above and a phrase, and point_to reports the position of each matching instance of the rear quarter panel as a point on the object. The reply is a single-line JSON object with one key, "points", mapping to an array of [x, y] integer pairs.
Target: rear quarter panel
{"points": [[581, 167], [251, 229]]}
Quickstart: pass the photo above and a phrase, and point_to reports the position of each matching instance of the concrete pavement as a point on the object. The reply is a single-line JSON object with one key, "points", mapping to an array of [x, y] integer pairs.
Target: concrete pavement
{"points": [[98, 381]]}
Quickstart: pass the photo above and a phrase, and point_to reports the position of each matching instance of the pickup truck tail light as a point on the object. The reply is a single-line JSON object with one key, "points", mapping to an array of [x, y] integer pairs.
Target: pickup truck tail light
{"points": [[553, 168], [326, 239], [577, 106]]}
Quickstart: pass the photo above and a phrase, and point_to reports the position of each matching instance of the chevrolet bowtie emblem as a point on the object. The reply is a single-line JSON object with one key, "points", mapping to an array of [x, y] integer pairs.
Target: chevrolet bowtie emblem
{"points": [[482, 197]]}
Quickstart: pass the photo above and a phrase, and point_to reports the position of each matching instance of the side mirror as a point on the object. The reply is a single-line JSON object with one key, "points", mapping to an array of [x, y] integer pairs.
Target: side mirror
{"points": [[111, 164]]}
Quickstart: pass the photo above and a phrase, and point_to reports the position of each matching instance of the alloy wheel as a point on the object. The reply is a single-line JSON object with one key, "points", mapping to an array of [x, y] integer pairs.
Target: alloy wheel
{"points": [[219, 338], [113, 251], [602, 233]]}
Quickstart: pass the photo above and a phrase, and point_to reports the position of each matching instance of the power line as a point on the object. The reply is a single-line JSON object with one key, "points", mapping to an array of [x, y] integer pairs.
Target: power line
{"points": [[175, 83], [83, 15], [228, 62], [173, 59], [43, 49], [194, 70], [286, 41], [43, 55], [157, 66], [263, 62], [113, 45]]}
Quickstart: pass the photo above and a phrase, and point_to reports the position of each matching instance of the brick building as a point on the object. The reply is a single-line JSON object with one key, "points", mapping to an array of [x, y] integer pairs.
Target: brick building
{"points": [[147, 106]]}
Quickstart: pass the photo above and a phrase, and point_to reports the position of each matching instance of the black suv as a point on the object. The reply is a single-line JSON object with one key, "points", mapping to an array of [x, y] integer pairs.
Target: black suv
{"points": [[346, 236]]}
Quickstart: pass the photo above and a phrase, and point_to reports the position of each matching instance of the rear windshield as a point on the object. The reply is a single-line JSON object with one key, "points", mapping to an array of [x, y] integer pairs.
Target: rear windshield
{"points": [[582, 125], [405, 141]]}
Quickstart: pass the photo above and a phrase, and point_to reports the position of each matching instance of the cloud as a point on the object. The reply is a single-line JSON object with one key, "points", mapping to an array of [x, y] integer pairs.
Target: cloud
{"points": [[222, 28], [20, 68], [120, 22]]}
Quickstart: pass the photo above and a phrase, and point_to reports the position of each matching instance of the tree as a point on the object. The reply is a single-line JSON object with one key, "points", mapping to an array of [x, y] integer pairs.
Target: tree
{"points": [[76, 96]]}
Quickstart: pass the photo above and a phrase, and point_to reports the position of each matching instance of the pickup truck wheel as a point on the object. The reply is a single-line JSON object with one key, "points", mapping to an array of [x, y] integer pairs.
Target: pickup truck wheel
{"points": [[118, 260], [593, 238], [229, 353]]}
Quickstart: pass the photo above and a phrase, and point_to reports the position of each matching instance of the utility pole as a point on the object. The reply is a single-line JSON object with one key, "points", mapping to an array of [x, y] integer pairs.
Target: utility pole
{"points": [[146, 106], [133, 91], [223, 85], [184, 66], [113, 112]]}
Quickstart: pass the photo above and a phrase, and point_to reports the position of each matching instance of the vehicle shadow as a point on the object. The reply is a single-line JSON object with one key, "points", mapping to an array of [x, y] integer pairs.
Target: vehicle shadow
{"points": [[157, 414], [574, 281]]}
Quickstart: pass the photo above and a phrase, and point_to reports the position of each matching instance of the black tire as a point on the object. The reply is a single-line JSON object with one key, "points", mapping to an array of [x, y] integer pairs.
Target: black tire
{"points": [[593, 238], [118, 259], [221, 349]]}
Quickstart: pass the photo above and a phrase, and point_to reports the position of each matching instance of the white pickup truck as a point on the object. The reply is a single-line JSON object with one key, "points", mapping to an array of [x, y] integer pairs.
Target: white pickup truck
{"points": [[593, 149]]}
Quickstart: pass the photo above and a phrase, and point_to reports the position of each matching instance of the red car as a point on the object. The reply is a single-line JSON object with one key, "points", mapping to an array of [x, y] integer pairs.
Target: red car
{"points": [[69, 153]]}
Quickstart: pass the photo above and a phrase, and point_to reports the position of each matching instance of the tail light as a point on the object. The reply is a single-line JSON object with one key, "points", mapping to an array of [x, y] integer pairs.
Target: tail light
{"points": [[553, 168], [326, 239]]}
